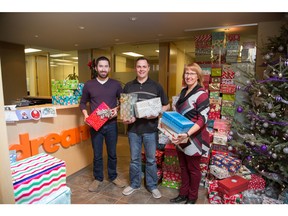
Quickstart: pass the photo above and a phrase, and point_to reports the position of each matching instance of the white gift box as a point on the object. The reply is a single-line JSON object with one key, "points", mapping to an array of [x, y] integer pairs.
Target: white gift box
{"points": [[168, 131], [151, 107]]}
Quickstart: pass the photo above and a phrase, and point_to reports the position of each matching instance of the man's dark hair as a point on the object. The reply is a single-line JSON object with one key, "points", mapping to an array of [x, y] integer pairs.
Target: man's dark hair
{"points": [[102, 58], [142, 58]]}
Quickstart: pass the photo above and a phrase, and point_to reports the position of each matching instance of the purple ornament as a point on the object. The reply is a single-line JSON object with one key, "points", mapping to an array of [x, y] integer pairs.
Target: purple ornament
{"points": [[263, 148], [278, 98], [249, 158], [238, 87], [239, 109]]}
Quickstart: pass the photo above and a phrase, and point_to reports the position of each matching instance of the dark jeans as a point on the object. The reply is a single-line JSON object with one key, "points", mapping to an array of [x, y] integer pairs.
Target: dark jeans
{"points": [[109, 132], [190, 175]]}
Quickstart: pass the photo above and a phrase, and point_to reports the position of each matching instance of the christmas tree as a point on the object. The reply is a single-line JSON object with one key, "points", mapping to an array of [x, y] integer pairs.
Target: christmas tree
{"points": [[259, 134]]}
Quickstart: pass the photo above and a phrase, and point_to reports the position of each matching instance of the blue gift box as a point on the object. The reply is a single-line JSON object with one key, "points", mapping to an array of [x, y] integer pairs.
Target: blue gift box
{"points": [[61, 196], [176, 121]]}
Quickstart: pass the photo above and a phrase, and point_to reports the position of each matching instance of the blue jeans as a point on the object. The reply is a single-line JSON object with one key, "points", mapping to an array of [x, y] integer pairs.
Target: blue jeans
{"points": [[109, 132], [135, 141]]}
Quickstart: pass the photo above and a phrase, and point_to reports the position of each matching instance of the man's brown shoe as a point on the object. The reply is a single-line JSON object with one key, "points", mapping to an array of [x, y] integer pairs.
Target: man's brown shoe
{"points": [[94, 186], [118, 183]]}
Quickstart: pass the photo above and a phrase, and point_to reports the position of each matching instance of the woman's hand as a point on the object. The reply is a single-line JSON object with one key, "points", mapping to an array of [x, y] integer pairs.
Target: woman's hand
{"points": [[179, 139]]}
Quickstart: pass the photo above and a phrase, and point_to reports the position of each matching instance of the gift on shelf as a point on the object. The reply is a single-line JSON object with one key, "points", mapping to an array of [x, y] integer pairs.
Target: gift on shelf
{"points": [[99, 116]]}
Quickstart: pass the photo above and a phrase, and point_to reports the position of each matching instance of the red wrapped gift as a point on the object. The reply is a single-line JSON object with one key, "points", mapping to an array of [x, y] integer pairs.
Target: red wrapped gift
{"points": [[256, 182], [99, 116], [214, 152], [227, 88], [233, 185]]}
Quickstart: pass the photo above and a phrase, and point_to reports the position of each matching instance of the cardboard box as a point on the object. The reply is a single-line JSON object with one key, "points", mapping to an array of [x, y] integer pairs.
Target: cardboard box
{"points": [[233, 185]]}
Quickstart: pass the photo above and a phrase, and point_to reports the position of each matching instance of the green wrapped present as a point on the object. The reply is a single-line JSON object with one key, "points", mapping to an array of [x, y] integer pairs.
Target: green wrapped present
{"points": [[216, 72], [227, 111], [228, 97]]}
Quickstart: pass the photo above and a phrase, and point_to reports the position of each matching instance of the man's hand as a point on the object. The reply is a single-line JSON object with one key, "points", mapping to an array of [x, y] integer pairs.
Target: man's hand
{"points": [[129, 121]]}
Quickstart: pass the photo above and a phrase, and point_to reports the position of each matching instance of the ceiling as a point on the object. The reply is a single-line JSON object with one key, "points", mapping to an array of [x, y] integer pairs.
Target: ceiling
{"points": [[83, 30]]}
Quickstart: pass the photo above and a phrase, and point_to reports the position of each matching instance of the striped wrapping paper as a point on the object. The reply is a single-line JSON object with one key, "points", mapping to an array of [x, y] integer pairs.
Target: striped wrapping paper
{"points": [[37, 177]]}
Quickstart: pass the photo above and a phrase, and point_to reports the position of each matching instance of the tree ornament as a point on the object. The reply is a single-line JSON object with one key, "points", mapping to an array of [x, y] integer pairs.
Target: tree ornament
{"points": [[285, 135], [265, 124], [263, 148], [285, 150], [274, 155], [239, 109], [238, 87], [267, 57], [275, 132], [263, 131], [280, 48], [230, 148], [280, 75], [252, 143], [278, 98], [249, 158], [269, 106], [231, 133], [248, 82], [229, 138], [272, 115], [270, 152]]}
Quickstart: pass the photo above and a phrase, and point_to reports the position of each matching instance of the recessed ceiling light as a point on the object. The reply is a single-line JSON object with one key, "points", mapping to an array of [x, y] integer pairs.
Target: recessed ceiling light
{"points": [[59, 55], [31, 50], [133, 19], [81, 27], [62, 60], [132, 54], [157, 51]]}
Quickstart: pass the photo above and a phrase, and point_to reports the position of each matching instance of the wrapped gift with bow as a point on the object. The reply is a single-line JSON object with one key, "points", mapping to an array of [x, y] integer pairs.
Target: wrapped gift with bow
{"points": [[99, 116]]}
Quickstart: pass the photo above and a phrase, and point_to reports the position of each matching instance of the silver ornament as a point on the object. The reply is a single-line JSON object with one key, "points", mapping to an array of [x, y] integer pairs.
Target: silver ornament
{"points": [[263, 131], [280, 75], [285, 150], [230, 148], [265, 124], [267, 57], [274, 155], [280, 48], [231, 133], [272, 115]]}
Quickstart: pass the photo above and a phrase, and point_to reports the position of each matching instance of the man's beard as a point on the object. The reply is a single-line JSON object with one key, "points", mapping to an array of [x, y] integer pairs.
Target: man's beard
{"points": [[103, 76]]}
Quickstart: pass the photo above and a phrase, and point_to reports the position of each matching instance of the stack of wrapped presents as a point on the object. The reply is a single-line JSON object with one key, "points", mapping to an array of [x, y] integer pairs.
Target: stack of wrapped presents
{"points": [[159, 156], [171, 169], [40, 179], [66, 92]]}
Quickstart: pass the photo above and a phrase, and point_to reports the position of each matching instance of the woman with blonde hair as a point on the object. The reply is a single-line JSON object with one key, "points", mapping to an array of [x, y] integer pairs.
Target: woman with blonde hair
{"points": [[193, 103]]}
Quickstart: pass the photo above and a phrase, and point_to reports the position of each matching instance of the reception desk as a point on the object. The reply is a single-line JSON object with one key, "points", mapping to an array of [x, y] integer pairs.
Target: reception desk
{"points": [[65, 136]]}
